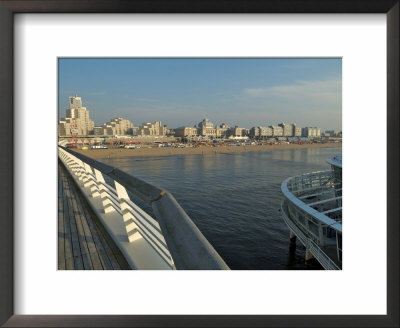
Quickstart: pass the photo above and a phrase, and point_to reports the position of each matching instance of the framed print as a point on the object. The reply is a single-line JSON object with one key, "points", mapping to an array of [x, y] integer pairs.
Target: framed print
{"points": [[38, 38]]}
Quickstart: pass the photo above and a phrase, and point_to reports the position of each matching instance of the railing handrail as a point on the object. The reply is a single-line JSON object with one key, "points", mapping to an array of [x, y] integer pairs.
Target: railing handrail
{"points": [[189, 248], [141, 189]]}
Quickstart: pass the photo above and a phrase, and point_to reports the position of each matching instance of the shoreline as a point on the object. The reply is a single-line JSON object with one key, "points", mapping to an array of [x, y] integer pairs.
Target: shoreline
{"points": [[169, 151]]}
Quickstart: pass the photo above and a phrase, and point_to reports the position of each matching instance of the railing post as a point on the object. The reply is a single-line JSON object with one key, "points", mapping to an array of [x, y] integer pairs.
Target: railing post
{"points": [[321, 234], [83, 175], [76, 167], [107, 203], [71, 163], [132, 229], [91, 182]]}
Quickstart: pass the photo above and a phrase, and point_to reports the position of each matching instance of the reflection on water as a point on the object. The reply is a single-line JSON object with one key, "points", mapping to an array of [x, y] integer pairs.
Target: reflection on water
{"points": [[234, 199]]}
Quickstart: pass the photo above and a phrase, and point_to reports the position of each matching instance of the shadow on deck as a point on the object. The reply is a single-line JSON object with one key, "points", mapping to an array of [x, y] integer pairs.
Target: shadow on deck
{"points": [[83, 242]]}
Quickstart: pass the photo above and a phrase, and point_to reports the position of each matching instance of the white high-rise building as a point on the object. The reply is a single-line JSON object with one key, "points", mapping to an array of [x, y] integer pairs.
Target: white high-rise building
{"points": [[77, 118], [311, 132], [296, 130], [287, 129], [277, 131]]}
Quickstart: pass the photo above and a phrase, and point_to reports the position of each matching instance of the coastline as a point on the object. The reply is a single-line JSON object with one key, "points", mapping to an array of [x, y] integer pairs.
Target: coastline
{"points": [[169, 151]]}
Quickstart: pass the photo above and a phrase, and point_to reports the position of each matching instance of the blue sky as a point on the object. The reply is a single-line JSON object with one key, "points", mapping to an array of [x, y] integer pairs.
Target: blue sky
{"points": [[237, 91]]}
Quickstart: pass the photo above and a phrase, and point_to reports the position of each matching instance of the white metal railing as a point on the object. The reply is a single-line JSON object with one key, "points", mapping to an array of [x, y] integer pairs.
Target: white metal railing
{"points": [[310, 181], [138, 224], [174, 237], [297, 188], [326, 262]]}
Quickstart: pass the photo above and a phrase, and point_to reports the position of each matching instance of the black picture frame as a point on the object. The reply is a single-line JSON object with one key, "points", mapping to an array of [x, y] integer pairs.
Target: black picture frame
{"points": [[10, 7]]}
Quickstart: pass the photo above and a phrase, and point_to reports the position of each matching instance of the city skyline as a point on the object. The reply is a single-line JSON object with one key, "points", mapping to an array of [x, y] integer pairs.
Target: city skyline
{"points": [[180, 92]]}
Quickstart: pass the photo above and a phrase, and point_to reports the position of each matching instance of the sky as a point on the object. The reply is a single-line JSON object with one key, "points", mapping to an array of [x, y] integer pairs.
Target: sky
{"points": [[182, 91]]}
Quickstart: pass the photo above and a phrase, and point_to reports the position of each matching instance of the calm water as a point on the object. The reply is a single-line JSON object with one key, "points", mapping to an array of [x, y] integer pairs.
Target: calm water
{"points": [[234, 199]]}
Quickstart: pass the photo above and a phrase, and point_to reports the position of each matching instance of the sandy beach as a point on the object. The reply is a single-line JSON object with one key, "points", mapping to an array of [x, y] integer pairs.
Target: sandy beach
{"points": [[167, 151]]}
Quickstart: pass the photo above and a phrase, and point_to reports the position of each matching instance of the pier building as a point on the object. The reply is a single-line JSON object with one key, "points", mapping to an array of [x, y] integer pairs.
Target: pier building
{"points": [[312, 209]]}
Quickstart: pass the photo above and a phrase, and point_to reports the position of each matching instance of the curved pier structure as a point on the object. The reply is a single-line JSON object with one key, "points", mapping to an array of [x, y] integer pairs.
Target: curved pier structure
{"points": [[312, 209]]}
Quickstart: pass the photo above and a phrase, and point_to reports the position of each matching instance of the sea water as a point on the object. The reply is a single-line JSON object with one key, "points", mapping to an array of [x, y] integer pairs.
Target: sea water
{"points": [[234, 199]]}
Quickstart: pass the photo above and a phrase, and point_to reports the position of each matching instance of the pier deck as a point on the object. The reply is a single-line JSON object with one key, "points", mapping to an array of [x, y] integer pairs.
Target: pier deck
{"points": [[83, 243]]}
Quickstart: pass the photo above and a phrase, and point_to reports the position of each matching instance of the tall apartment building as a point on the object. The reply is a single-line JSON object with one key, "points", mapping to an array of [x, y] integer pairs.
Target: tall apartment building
{"points": [[260, 132], [287, 129], [255, 132], [296, 130], [77, 118], [152, 129], [311, 132], [265, 131], [277, 131]]}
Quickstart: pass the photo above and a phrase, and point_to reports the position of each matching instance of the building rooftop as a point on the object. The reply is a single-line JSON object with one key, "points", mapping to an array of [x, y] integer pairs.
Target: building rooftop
{"points": [[335, 161]]}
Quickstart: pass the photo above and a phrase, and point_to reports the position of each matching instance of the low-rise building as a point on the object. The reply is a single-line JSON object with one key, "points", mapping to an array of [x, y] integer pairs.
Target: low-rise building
{"points": [[186, 131], [152, 129], [331, 133], [118, 126], [237, 132], [135, 130], [99, 131], [222, 130]]}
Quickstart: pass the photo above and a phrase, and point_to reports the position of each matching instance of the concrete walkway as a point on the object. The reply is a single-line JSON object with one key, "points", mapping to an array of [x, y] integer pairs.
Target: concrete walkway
{"points": [[83, 243]]}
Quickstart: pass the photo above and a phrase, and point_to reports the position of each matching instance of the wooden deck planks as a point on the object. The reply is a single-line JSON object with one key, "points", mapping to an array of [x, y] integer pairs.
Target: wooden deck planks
{"points": [[61, 230], [70, 213], [69, 257], [112, 252], [91, 248], [106, 257], [83, 242]]}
